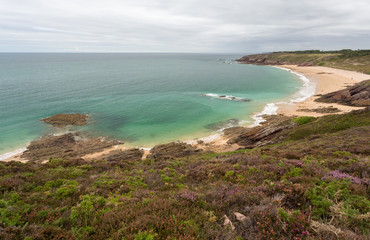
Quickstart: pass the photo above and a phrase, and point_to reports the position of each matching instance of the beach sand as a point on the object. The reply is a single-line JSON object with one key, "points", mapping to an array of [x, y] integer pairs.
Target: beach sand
{"points": [[326, 80]]}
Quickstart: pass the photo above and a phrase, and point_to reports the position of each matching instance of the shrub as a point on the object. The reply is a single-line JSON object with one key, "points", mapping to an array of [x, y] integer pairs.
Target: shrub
{"points": [[303, 120]]}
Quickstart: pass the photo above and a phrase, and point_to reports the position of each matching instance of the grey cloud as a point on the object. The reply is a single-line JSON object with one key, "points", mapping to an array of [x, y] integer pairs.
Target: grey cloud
{"points": [[182, 26]]}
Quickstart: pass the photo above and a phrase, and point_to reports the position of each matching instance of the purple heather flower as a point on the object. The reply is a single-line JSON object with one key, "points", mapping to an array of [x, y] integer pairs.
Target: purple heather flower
{"points": [[336, 174]]}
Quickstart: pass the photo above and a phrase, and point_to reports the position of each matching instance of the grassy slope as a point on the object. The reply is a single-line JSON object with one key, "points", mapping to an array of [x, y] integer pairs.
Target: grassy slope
{"points": [[307, 187], [329, 59]]}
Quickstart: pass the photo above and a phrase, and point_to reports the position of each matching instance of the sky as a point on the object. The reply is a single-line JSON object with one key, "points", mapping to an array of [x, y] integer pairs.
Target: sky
{"points": [[191, 26]]}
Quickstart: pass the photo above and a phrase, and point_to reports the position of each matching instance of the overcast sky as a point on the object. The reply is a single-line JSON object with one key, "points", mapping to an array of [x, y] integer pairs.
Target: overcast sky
{"points": [[235, 26]]}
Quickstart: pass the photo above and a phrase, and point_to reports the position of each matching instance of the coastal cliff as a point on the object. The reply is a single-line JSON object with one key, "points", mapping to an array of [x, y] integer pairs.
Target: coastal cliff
{"points": [[355, 60]]}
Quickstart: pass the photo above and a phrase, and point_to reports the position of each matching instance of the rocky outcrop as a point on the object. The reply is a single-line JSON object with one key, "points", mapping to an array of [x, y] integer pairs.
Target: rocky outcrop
{"points": [[261, 135], [70, 145], [259, 60], [356, 95], [133, 154], [320, 110], [173, 150], [61, 120]]}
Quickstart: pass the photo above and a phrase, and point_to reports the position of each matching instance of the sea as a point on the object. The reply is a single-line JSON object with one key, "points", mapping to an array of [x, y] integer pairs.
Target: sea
{"points": [[141, 99]]}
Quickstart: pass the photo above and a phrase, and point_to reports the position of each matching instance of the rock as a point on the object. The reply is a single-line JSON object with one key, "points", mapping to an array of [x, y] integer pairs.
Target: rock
{"points": [[173, 150], [265, 134], [70, 145], [246, 221], [61, 120], [228, 223], [320, 110], [223, 124], [356, 95], [235, 131], [133, 154]]}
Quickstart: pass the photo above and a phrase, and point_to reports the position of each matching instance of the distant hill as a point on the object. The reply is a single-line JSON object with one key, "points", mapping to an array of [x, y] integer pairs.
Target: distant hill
{"points": [[355, 60]]}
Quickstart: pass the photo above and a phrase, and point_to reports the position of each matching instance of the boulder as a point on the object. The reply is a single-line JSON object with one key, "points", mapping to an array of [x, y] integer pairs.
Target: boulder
{"points": [[228, 223]]}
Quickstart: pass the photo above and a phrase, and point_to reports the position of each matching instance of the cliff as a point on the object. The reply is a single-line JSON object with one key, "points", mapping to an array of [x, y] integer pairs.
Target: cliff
{"points": [[355, 60]]}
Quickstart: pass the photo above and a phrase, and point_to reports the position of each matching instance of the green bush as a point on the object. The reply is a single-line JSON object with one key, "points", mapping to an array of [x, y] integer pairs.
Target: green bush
{"points": [[303, 120]]}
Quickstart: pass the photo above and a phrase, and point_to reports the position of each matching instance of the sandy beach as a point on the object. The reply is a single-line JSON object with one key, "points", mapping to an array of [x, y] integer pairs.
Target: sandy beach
{"points": [[325, 79]]}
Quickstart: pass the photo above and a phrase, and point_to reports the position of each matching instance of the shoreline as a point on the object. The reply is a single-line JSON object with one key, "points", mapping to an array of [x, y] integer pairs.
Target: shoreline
{"points": [[316, 80], [326, 80]]}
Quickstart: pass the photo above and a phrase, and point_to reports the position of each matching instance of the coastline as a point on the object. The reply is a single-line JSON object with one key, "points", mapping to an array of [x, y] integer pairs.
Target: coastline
{"points": [[326, 80], [316, 80]]}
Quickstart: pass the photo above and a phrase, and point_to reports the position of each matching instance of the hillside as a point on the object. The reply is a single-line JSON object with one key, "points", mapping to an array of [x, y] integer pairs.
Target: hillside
{"points": [[312, 183], [355, 60]]}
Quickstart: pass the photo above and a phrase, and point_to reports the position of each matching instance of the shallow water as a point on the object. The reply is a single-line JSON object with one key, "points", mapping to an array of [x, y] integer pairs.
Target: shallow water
{"points": [[142, 99]]}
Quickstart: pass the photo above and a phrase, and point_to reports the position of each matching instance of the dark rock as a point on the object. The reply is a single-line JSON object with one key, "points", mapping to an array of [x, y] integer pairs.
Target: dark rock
{"points": [[133, 154], [356, 95], [173, 150], [320, 110], [62, 120], [70, 145], [265, 134]]}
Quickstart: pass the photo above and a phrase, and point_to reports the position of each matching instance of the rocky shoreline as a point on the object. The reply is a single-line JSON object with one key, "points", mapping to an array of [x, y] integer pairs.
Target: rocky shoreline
{"points": [[80, 145]]}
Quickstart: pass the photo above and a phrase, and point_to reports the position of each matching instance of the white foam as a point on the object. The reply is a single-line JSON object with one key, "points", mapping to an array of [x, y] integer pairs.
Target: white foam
{"points": [[12, 153], [207, 139], [270, 109], [307, 90], [225, 97]]}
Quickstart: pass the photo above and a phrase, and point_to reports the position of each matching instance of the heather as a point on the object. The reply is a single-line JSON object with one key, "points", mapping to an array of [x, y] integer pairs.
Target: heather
{"points": [[312, 184]]}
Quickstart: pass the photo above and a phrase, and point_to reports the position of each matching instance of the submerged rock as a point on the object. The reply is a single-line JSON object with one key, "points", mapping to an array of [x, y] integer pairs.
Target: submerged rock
{"points": [[223, 124], [61, 120], [173, 150]]}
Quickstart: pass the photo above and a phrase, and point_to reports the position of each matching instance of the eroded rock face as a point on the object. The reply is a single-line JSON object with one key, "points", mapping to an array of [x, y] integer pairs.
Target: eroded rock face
{"points": [[61, 120], [173, 150], [356, 95], [261, 135], [133, 154], [70, 145]]}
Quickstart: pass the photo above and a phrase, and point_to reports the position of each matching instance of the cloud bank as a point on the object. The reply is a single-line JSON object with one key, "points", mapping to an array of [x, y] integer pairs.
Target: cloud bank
{"points": [[242, 26]]}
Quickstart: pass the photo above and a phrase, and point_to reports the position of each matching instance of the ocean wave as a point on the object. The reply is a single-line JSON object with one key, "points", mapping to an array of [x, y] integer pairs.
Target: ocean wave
{"points": [[12, 153], [226, 97], [307, 90], [270, 109]]}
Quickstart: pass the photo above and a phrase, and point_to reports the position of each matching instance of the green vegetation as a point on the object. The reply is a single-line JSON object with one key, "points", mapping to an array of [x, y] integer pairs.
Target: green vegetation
{"points": [[314, 184], [356, 60], [303, 120]]}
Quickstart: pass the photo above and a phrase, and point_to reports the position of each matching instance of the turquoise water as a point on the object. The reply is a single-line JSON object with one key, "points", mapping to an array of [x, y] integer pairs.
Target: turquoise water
{"points": [[142, 99]]}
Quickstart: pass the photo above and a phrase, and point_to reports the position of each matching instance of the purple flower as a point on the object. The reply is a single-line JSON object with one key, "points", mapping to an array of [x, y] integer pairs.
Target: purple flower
{"points": [[189, 196], [339, 175]]}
